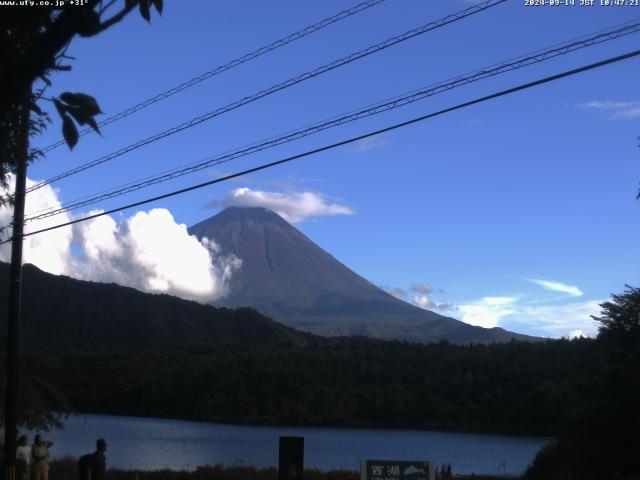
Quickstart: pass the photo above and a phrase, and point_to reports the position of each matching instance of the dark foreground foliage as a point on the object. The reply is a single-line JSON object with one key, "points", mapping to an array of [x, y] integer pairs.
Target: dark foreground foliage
{"points": [[65, 469], [601, 440]]}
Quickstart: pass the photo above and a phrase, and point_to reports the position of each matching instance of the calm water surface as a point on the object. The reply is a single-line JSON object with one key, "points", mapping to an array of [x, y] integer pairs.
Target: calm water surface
{"points": [[148, 443]]}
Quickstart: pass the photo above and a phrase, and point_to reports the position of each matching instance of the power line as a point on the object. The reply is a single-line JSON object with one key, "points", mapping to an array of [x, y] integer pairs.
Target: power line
{"points": [[227, 66], [280, 86], [502, 93], [399, 101]]}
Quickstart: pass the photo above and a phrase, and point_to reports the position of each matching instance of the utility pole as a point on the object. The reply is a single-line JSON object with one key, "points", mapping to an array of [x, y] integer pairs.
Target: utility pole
{"points": [[15, 284]]}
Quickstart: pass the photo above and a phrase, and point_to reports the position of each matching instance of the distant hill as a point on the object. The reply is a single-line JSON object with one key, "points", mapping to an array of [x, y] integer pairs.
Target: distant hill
{"points": [[292, 280], [61, 314]]}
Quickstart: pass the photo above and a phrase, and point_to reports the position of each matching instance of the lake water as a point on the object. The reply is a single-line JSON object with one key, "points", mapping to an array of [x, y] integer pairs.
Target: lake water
{"points": [[149, 443]]}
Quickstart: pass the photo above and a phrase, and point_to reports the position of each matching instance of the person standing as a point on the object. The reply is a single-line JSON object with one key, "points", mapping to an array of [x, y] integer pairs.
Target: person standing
{"points": [[40, 456], [23, 458], [93, 465]]}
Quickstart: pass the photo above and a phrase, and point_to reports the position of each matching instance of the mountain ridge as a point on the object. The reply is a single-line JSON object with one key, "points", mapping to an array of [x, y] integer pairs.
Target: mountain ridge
{"points": [[61, 313], [289, 278]]}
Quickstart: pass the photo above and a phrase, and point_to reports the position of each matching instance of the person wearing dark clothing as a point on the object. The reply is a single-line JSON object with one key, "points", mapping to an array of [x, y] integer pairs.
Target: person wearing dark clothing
{"points": [[93, 465]]}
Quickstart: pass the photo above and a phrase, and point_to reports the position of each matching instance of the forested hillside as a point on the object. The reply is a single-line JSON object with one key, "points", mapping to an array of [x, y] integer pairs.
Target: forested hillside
{"points": [[61, 314], [516, 387]]}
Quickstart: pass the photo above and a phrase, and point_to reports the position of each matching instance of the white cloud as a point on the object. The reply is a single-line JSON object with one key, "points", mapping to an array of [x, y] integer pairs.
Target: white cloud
{"points": [[498, 300], [148, 251], [423, 301], [48, 250], [551, 320], [487, 312], [370, 143], [577, 334], [293, 207], [421, 288], [151, 252], [427, 303], [561, 320], [398, 293], [614, 110], [557, 287]]}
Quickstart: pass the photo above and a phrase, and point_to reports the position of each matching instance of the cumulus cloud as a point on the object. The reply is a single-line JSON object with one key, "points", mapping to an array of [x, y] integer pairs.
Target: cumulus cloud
{"points": [[151, 252], [488, 311], [614, 110], [421, 288], [48, 250], [293, 207], [148, 251], [398, 293], [427, 303], [557, 287], [577, 334], [423, 301]]}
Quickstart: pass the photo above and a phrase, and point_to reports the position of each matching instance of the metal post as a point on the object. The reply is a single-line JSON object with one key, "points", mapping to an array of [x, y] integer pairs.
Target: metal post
{"points": [[15, 279]]}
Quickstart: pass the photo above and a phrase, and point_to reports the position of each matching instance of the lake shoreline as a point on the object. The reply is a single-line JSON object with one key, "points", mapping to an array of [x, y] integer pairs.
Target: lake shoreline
{"points": [[66, 468], [144, 443], [342, 426]]}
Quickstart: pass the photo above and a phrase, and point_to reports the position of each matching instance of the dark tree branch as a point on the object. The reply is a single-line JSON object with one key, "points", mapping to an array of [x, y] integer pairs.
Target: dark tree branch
{"points": [[104, 8], [117, 17], [43, 51]]}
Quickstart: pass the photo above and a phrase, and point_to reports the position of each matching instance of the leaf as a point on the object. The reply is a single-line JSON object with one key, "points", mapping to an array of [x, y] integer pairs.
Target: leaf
{"points": [[86, 102], [62, 110], [69, 131], [82, 118], [78, 115], [92, 123], [144, 10], [35, 108], [159, 4]]}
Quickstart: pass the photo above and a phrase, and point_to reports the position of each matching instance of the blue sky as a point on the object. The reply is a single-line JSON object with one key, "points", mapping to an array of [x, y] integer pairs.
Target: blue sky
{"points": [[519, 212]]}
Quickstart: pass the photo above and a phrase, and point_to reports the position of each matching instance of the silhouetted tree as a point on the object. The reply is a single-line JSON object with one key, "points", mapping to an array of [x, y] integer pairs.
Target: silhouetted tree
{"points": [[33, 45], [602, 439], [620, 318]]}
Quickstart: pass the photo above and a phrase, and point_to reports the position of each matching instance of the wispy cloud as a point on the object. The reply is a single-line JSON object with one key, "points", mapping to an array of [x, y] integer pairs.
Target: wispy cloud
{"points": [[498, 300], [292, 206], [557, 287], [421, 288], [614, 110], [370, 143], [566, 320], [558, 320]]}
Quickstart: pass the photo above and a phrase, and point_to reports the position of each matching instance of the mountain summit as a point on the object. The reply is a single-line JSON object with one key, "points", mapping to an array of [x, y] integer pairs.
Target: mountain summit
{"points": [[289, 278]]}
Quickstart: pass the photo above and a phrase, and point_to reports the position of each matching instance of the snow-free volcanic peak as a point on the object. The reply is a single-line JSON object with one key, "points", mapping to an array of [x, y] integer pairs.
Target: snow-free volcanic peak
{"points": [[288, 277]]}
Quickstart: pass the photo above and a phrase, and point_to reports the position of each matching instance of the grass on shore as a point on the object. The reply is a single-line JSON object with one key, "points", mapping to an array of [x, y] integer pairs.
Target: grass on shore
{"points": [[66, 469]]}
